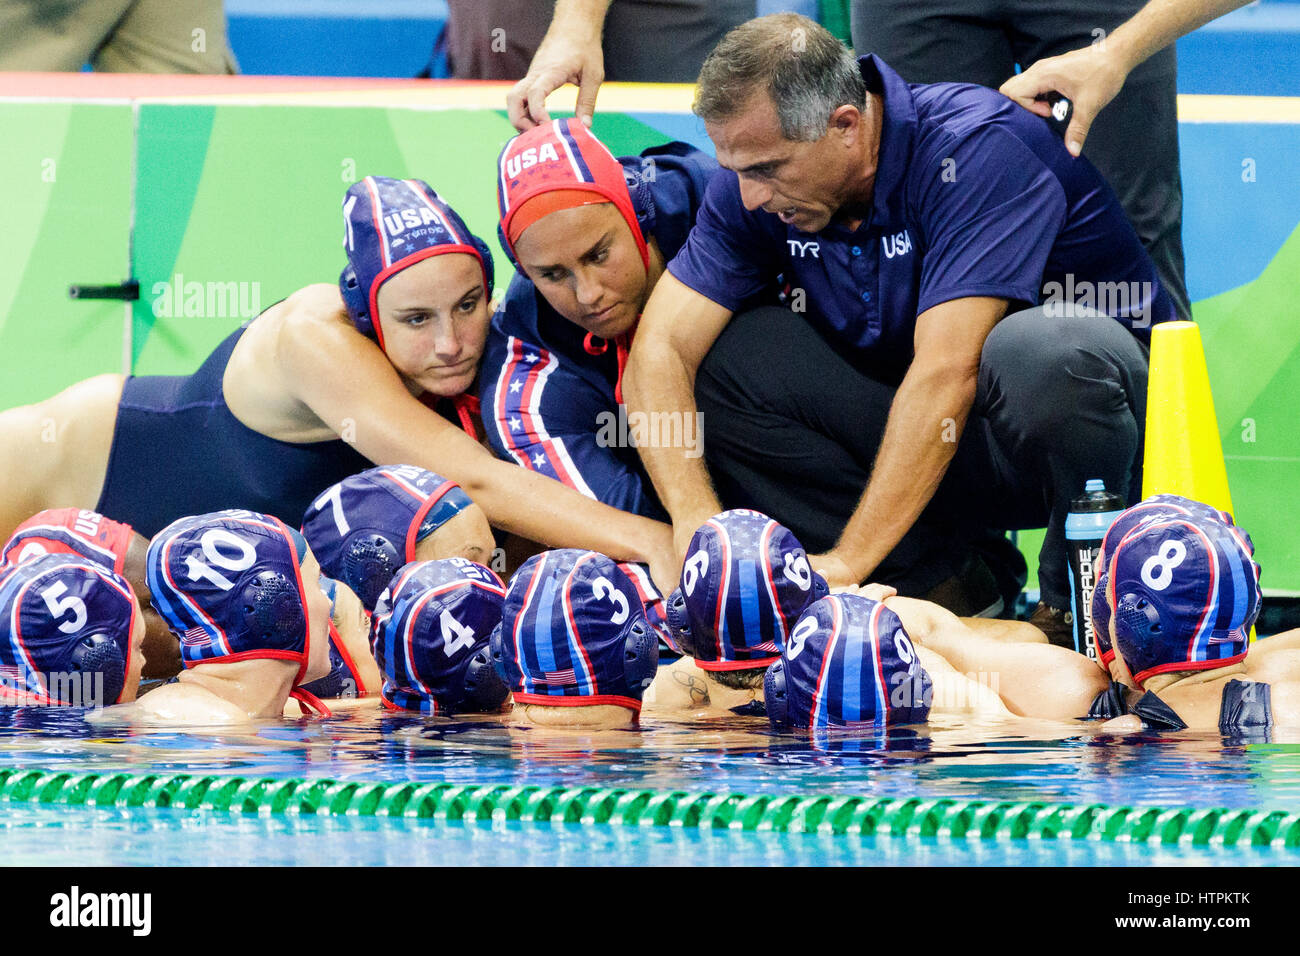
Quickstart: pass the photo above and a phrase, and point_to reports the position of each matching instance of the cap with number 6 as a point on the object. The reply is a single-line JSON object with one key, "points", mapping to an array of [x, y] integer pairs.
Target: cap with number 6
{"points": [[849, 663], [430, 638], [745, 580], [1183, 593], [229, 585], [574, 633]]}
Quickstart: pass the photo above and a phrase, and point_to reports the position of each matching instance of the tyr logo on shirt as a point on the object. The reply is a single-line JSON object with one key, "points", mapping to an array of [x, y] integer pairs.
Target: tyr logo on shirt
{"points": [[802, 249], [899, 244], [545, 153]]}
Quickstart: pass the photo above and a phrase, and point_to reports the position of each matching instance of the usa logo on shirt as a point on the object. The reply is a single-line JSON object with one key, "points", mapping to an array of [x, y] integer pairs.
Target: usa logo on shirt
{"points": [[899, 244]]}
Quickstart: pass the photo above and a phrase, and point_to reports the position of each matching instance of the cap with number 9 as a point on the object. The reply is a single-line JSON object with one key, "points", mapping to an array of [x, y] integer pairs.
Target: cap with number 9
{"points": [[848, 663], [1183, 593], [745, 580], [430, 638], [574, 632]]}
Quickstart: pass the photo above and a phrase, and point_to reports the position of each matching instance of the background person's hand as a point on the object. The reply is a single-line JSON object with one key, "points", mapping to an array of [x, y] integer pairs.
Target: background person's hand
{"points": [[560, 59], [1088, 78]]}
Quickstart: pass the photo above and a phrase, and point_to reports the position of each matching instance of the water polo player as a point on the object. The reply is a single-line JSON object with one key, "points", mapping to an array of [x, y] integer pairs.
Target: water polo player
{"points": [[242, 592], [574, 645], [368, 525], [70, 633], [431, 634], [112, 545], [261, 424]]}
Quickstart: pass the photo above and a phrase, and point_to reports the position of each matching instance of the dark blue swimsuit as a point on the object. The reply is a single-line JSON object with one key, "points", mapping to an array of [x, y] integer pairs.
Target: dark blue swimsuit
{"points": [[178, 450]]}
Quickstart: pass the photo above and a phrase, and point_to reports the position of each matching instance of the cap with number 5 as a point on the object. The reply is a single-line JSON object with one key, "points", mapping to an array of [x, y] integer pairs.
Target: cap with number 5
{"points": [[574, 633], [848, 663], [66, 621], [745, 580], [1183, 594], [430, 638]]}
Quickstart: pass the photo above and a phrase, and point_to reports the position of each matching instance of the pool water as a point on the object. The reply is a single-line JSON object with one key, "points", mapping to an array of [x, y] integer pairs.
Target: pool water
{"points": [[991, 761]]}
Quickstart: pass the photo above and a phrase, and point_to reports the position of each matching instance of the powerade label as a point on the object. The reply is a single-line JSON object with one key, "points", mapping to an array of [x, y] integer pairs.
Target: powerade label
{"points": [[1083, 583]]}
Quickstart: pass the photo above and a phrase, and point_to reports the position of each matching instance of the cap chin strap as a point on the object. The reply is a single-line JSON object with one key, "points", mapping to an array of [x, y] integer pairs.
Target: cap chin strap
{"points": [[310, 703]]}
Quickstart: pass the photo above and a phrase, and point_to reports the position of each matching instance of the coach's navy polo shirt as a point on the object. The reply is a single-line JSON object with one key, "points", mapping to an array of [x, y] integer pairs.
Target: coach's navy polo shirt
{"points": [[974, 196]]}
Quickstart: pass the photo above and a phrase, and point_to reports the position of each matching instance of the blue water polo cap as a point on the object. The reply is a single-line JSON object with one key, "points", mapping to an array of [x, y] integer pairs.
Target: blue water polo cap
{"points": [[574, 632], [745, 581], [430, 638], [65, 619], [391, 224], [229, 585], [848, 663], [366, 526]]}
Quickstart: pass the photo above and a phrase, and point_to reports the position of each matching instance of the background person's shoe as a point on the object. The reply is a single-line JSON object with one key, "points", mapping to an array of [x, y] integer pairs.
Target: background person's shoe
{"points": [[972, 592], [1057, 623]]}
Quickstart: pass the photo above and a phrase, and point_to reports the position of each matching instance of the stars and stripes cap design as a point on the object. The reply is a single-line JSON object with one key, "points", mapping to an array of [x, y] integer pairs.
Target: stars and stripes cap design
{"points": [[849, 663], [574, 632], [390, 224], [366, 526], [70, 531], [62, 617], [562, 155], [1184, 592], [745, 580], [1149, 509], [430, 638], [229, 585]]}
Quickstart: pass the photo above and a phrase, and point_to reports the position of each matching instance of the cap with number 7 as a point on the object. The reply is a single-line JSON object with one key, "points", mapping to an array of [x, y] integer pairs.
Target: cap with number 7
{"points": [[745, 581]]}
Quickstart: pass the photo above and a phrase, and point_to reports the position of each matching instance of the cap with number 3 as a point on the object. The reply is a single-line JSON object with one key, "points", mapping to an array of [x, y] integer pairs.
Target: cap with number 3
{"points": [[1183, 593], [848, 663], [745, 580], [574, 633]]}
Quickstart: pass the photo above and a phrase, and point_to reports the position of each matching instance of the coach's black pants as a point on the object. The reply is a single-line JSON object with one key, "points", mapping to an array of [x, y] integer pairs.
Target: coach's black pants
{"points": [[791, 429], [1134, 140]]}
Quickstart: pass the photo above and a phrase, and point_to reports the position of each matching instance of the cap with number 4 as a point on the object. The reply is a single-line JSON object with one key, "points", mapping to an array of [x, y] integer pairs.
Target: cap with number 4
{"points": [[745, 580], [430, 638], [1183, 593], [849, 663], [574, 633]]}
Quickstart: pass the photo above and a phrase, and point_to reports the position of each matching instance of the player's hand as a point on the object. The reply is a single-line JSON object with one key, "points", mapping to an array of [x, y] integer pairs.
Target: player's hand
{"points": [[834, 569], [876, 592], [560, 59], [1088, 78]]}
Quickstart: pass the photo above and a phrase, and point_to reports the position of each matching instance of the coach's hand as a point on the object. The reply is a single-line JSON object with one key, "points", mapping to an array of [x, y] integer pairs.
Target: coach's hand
{"points": [[834, 569], [561, 58], [1088, 78]]}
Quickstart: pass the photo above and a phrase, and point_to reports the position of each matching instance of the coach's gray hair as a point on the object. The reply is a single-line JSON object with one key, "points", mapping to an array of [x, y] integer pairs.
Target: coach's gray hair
{"points": [[804, 69]]}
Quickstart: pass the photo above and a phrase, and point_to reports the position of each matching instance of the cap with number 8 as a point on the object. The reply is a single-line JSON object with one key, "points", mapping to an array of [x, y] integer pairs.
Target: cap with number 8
{"points": [[1183, 593], [848, 663], [574, 633], [430, 638], [745, 580]]}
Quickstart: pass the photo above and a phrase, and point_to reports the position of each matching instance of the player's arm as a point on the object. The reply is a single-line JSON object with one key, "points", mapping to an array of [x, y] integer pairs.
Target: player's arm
{"points": [[349, 384], [1034, 680], [925, 420], [678, 327], [1091, 77], [569, 53]]}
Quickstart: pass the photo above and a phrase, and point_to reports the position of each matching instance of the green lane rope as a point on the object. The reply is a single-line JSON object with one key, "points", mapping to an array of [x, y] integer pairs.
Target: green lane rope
{"points": [[788, 813]]}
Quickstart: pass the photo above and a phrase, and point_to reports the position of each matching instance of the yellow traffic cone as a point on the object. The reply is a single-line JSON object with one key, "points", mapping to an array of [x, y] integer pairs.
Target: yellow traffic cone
{"points": [[1183, 455]]}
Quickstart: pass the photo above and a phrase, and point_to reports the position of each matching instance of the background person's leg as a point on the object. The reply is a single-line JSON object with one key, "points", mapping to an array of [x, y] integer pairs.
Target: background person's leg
{"points": [[936, 41], [1065, 401], [1134, 140], [666, 41], [54, 35], [167, 36], [791, 429], [495, 39]]}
